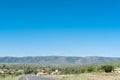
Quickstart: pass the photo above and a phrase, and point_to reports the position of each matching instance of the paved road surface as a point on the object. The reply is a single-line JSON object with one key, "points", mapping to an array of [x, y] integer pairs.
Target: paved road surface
{"points": [[31, 77]]}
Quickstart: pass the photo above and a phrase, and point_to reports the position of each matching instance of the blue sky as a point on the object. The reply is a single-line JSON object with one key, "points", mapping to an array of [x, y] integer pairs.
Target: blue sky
{"points": [[59, 27]]}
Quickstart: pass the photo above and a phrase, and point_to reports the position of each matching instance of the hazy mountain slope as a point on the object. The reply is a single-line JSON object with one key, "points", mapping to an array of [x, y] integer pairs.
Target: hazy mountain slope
{"points": [[57, 59]]}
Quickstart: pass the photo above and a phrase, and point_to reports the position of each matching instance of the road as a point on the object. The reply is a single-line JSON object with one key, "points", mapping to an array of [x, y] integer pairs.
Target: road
{"points": [[31, 77]]}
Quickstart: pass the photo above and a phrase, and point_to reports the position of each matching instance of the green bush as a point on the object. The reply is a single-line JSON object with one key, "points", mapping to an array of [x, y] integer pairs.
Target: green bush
{"points": [[107, 68]]}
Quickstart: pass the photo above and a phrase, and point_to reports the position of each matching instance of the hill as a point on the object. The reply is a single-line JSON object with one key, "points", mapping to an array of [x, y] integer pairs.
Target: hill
{"points": [[58, 59]]}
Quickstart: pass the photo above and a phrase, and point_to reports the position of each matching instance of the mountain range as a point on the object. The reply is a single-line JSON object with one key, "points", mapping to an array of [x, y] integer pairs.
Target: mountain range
{"points": [[58, 59]]}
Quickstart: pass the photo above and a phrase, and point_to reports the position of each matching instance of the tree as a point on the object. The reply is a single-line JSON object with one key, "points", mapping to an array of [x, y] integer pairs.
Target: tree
{"points": [[90, 69], [107, 68], [28, 70]]}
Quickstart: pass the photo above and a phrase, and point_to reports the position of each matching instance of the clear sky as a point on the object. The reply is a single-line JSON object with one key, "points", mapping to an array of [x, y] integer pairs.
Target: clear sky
{"points": [[60, 27]]}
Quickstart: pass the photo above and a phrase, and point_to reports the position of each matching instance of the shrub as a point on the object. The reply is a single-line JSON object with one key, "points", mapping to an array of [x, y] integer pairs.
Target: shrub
{"points": [[107, 68]]}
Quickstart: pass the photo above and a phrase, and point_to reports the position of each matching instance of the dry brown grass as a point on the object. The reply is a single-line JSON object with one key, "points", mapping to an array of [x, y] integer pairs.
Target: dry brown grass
{"points": [[103, 76], [92, 76]]}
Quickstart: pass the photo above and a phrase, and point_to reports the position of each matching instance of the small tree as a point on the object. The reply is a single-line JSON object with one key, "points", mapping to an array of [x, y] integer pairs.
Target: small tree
{"points": [[107, 68], [28, 70], [90, 69]]}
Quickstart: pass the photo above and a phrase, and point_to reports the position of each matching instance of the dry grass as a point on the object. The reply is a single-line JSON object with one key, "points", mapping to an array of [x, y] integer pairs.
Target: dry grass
{"points": [[10, 78], [92, 76]]}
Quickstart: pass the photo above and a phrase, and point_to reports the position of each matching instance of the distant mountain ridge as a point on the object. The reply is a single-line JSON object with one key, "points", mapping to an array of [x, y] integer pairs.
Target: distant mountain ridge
{"points": [[58, 59]]}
